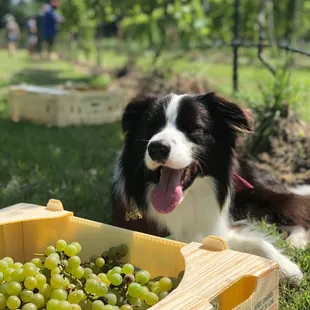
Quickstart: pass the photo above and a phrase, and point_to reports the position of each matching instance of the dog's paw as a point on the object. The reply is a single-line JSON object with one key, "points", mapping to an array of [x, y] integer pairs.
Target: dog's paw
{"points": [[290, 271], [297, 241]]}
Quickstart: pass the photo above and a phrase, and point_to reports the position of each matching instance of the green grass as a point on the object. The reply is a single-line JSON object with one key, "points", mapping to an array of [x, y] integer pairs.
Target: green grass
{"points": [[38, 163], [216, 67], [75, 164]]}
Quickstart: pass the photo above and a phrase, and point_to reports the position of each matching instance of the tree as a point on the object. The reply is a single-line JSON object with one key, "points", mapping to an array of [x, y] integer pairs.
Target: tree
{"points": [[5, 7]]}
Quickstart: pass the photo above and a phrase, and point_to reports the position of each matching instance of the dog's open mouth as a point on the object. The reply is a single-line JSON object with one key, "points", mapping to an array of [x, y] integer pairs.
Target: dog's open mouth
{"points": [[168, 193]]}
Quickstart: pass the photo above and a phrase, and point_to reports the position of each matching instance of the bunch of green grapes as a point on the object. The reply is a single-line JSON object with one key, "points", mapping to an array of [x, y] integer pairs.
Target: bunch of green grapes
{"points": [[57, 280]]}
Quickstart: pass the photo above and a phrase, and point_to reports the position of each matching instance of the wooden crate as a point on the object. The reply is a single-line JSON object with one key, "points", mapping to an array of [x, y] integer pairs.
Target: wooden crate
{"points": [[239, 280], [61, 107]]}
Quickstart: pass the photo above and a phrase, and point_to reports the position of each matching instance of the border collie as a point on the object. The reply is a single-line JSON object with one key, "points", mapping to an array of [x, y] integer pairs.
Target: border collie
{"points": [[178, 164]]}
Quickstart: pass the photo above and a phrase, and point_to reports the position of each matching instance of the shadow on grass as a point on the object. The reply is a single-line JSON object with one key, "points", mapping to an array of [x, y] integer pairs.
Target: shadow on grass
{"points": [[48, 77], [71, 164]]}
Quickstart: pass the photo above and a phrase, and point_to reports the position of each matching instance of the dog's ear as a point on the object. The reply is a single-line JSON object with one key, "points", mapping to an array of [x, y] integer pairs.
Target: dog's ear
{"points": [[134, 112], [238, 119]]}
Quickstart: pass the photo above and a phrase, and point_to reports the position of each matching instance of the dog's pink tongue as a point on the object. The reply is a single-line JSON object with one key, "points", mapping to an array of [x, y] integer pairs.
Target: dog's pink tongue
{"points": [[168, 192]]}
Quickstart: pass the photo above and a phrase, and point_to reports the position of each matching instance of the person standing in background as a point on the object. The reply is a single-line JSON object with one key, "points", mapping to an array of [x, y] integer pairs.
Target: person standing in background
{"points": [[50, 24], [32, 35], [12, 32]]}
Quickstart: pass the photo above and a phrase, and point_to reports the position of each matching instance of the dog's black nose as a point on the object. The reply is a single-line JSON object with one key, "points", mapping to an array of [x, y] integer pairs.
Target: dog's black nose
{"points": [[159, 151]]}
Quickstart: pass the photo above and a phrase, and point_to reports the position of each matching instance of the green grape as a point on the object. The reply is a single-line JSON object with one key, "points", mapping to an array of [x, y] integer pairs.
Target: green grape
{"points": [[13, 288], [122, 249], [30, 270], [78, 247], [56, 281], [134, 289], [87, 272], [144, 306], [30, 283], [128, 269], [102, 289], [78, 272], [156, 291], [92, 276], [3, 290], [7, 275], [71, 250], [18, 275], [117, 270], [49, 250], [17, 265], [55, 255], [52, 304], [63, 305], [64, 263], [74, 307], [51, 262], [103, 278], [97, 305], [37, 262], [91, 286], [109, 273], [75, 298], [150, 284], [165, 284], [142, 277], [46, 291], [154, 286], [74, 262], [61, 245], [55, 271], [134, 301], [1, 277], [29, 306], [41, 280], [81, 294], [100, 262], [126, 307], [116, 279], [38, 300], [9, 260], [151, 299], [3, 265], [115, 307], [112, 252], [66, 282], [59, 294], [112, 299], [162, 295], [143, 292], [26, 295], [13, 302], [93, 257], [2, 301]]}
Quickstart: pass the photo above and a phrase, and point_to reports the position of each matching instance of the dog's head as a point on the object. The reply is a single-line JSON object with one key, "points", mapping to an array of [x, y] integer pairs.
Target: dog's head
{"points": [[172, 140]]}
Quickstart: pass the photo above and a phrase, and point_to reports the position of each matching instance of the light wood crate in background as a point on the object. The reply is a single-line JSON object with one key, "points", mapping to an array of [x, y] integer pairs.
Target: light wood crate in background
{"points": [[239, 281], [65, 107]]}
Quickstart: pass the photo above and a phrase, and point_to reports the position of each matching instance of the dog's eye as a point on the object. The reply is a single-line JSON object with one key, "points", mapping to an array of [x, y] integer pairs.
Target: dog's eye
{"points": [[152, 125]]}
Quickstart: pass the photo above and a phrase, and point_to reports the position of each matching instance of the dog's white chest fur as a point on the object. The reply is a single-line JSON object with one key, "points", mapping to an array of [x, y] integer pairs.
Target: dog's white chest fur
{"points": [[197, 216]]}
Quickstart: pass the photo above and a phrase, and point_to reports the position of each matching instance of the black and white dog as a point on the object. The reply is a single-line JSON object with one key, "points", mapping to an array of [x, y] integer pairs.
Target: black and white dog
{"points": [[177, 165]]}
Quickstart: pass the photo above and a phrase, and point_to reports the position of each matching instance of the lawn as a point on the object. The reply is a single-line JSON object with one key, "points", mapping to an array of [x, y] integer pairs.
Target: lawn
{"points": [[38, 163], [75, 164]]}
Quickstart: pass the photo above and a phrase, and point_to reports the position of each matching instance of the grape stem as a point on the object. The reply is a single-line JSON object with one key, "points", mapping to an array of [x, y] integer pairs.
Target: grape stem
{"points": [[78, 283]]}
